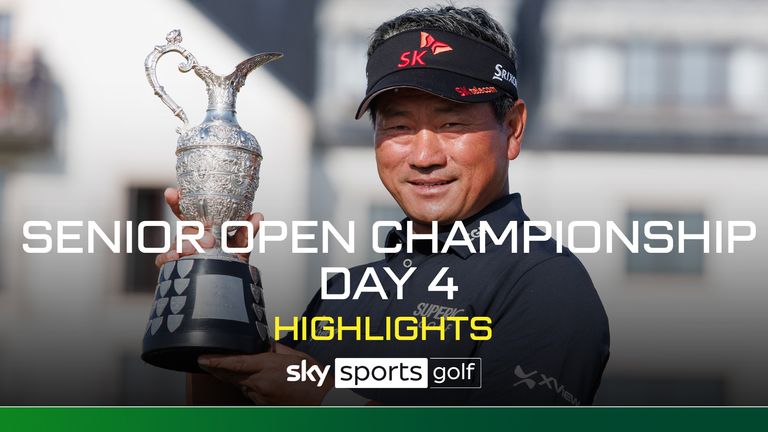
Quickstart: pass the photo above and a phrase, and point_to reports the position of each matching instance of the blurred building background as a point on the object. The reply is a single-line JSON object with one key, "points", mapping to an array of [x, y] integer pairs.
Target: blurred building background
{"points": [[639, 110]]}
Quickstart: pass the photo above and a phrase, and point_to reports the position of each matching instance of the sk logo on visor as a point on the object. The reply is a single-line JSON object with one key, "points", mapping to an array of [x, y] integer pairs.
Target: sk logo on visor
{"points": [[427, 44], [437, 47]]}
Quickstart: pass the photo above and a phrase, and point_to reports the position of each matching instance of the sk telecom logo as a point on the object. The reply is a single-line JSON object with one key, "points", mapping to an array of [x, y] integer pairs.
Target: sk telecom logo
{"points": [[428, 43]]}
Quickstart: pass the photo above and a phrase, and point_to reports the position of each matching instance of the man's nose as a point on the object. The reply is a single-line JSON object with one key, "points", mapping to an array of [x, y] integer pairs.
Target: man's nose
{"points": [[426, 150]]}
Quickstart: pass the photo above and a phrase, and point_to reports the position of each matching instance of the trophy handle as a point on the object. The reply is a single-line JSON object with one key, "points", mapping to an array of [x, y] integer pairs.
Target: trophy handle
{"points": [[173, 39]]}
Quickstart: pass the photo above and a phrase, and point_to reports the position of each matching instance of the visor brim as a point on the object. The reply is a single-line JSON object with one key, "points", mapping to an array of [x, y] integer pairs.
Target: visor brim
{"points": [[449, 85]]}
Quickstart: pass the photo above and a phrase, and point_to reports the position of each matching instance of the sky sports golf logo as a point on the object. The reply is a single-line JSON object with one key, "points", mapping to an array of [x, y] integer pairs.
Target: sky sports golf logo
{"points": [[435, 372]]}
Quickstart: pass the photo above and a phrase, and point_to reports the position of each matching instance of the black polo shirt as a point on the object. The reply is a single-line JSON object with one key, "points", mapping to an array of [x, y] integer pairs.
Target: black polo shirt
{"points": [[550, 338]]}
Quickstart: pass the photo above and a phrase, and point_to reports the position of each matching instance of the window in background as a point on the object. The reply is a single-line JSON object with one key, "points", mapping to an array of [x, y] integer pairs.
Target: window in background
{"points": [[593, 73], [27, 107], [669, 87], [6, 90], [5, 31], [701, 75], [5, 28], [643, 74], [748, 79], [689, 263], [146, 203], [342, 73], [689, 75]]}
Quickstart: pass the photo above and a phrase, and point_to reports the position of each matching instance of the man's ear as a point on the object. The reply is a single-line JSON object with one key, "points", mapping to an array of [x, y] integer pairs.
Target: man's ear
{"points": [[514, 126]]}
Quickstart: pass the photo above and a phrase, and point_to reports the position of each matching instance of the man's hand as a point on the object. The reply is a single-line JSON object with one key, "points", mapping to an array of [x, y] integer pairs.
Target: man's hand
{"points": [[238, 239], [263, 377]]}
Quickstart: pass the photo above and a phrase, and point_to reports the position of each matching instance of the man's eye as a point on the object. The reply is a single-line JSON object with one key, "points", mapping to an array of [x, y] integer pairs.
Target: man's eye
{"points": [[396, 128], [451, 125]]}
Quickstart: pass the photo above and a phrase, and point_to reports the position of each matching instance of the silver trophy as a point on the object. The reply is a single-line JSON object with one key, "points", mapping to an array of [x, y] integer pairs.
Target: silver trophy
{"points": [[210, 302]]}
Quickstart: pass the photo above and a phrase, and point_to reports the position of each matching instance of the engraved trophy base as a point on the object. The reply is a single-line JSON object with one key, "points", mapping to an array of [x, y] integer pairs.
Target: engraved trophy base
{"points": [[205, 304]]}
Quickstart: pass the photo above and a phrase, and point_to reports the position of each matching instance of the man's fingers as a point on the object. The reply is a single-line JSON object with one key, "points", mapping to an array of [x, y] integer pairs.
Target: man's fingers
{"points": [[238, 364], [282, 349], [163, 258], [187, 248], [240, 239], [256, 219], [172, 198], [208, 240], [226, 376]]}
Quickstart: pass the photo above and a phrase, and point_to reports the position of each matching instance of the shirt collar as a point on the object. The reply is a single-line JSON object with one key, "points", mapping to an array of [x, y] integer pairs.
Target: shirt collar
{"points": [[497, 214]]}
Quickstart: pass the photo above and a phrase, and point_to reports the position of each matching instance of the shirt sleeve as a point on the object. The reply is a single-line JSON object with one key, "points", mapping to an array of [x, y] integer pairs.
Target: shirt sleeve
{"points": [[550, 340]]}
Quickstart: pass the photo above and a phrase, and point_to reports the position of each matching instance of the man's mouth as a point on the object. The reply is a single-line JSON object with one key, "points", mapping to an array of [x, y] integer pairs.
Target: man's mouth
{"points": [[429, 184]]}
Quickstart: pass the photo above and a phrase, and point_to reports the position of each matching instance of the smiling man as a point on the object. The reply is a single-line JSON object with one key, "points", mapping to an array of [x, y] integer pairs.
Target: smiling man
{"points": [[442, 94], [441, 160]]}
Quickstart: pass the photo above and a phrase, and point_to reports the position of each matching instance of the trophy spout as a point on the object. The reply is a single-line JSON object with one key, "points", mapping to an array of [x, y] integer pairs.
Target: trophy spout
{"points": [[222, 90], [237, 77]]}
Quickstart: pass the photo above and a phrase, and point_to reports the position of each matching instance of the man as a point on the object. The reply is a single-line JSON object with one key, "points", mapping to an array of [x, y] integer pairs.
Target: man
{"points": [[442, 94]]}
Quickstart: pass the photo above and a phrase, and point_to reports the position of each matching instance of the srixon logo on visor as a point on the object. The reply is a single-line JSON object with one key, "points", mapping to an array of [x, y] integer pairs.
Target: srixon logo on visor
{"points": [[427, 44]]}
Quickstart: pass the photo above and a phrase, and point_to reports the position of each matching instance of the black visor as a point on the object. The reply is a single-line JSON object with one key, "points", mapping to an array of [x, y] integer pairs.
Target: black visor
{"points": [[455, 67]]}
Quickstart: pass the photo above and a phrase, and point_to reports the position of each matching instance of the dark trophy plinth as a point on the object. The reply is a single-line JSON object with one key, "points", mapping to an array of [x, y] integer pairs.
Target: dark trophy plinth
{"points": [[205, 306]]}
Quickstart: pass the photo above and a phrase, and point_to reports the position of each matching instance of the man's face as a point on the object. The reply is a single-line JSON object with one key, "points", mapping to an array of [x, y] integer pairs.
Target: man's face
{"points": [[443, 160]]}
